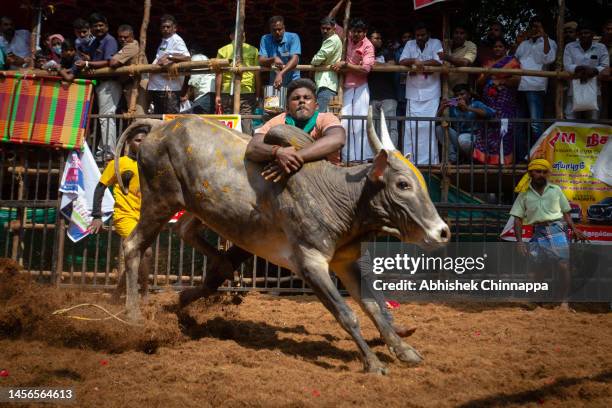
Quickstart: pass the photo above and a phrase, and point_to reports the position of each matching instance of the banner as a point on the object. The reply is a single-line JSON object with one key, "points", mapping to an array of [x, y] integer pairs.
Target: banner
{"points": [[424, 3], [231, 121], [582, 167]]}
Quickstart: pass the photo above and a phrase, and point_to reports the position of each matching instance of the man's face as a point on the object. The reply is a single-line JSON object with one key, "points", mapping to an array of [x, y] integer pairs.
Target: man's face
{"points": [[302, 104], [495, 32], [535, 28], [538, 177], [608, 30], [376, 40], [99, 29], [81, 32], [136, 141], [459, 36], [570, 34], [167, 29], [7, 27], [357, 34], [465, 95], [585, 36], [68, 54], [327, 30], [421, 35], [278, 31], [125, 37], [407, 36]]}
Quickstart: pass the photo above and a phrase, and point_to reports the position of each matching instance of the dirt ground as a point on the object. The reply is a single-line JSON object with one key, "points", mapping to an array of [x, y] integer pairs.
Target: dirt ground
{"points": [[289, 351]]}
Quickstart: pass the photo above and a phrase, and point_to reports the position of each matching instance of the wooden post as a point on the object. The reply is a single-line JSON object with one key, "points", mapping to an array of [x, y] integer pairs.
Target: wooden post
{"points": [[146, 15], [559, 62], [238, 41], [16, 253], [347, 17], [35, 33], [445, 186]]}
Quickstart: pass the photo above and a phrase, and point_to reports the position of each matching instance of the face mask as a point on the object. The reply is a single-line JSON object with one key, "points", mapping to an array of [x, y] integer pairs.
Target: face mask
{"points": [[57, 49]]}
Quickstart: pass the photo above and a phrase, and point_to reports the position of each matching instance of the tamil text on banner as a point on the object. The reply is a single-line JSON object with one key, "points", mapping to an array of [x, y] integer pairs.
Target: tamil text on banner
{"points": [[44, 110], [231, 121], [579, 154], [424, 3]]}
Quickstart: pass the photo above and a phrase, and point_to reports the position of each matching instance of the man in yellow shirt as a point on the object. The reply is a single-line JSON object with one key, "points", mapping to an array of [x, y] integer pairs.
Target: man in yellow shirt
{"points": [[127, 206], [250, 89]]}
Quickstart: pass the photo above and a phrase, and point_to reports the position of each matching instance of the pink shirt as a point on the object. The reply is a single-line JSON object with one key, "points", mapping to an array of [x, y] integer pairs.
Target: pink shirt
{"points": [[362, 54]]}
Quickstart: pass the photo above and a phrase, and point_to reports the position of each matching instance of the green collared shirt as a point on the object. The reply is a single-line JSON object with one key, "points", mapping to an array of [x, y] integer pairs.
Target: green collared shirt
{"points": [[329, 53], [532, 207]]}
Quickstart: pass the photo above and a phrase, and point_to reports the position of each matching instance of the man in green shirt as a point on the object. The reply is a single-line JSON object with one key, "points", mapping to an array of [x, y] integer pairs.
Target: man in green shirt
{"points": [[250, 89], [544, 206], [329, 53]]}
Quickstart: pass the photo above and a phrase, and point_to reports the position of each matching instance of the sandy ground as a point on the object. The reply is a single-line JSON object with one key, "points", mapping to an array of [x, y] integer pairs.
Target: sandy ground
{"points": [[289, 351]]}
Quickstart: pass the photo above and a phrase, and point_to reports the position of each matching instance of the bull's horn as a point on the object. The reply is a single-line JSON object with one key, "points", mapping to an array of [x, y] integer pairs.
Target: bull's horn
{"points": [[385, 137], [149, 123], [372, 138]]}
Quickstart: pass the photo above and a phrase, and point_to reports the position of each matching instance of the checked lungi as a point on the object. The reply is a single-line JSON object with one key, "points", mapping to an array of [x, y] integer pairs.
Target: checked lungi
{"points": [[550, 242]]}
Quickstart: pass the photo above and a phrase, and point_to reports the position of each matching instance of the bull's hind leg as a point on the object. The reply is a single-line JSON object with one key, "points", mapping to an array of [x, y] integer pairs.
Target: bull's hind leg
{"points": [[315, 271]]}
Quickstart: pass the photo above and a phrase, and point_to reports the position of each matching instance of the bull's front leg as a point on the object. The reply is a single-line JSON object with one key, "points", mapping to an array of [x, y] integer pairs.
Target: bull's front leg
{"points": [[314, 268]]}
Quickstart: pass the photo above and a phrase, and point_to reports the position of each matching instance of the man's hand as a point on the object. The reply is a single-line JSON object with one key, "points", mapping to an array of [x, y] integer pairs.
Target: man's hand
{"points": [[338, 66], [272, 172], [164, 60], [278, 80], [217, 101], [278, 63], [288, 159], [578, 235], [442, 55], [80, 64], [96, 226]]}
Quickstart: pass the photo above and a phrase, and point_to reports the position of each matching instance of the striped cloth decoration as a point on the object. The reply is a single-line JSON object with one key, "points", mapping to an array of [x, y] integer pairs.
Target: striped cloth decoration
{"points": [[44, 110]]}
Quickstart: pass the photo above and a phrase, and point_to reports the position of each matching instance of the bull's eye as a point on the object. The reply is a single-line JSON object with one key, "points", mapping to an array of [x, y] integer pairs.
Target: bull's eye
{"points": [[402, 185]]}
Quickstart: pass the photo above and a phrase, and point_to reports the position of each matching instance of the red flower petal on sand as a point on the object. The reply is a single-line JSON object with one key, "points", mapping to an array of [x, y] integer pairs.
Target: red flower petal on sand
{"points": [[103, 362], [4, 373], [392, 304]]}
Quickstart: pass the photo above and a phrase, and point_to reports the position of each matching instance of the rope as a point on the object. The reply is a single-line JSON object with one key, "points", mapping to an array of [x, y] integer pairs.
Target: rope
{"points": [[110, 315]]}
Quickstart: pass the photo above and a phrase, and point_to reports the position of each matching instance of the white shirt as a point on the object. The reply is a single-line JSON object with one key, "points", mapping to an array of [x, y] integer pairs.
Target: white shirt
{"points": [[423, 87], [203, 83], [596, 56], [19, 45], [162, 82], [531, 56]]}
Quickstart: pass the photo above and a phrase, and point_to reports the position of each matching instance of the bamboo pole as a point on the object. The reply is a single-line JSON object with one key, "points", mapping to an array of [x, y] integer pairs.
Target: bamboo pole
{"points": [[141, 55], [445, 186], [559, 61], [347, 17], [238, 41], [36, 19]]}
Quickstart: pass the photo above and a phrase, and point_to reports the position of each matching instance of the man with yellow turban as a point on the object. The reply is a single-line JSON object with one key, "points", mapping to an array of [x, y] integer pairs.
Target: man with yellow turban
{"points": [[544, 206]]}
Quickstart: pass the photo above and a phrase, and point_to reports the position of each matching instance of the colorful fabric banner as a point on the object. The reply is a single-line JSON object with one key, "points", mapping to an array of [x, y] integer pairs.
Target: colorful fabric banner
{"points": [[579, 154], [44, 110]]}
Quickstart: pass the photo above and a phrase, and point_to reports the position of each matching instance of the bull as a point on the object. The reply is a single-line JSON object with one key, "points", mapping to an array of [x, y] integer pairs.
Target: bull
{"points": [[311, 222]]}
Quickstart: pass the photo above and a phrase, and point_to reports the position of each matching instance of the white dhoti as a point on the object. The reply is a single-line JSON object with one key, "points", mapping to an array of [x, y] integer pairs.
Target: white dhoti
{"points": [[355, 103], [420, 137]]}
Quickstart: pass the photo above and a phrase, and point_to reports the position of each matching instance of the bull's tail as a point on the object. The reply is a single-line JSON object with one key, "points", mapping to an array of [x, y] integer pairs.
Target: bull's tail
{"points": [[148, 125]]}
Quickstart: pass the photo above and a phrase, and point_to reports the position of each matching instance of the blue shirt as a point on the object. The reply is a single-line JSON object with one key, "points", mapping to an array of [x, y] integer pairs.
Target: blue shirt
{"points": [[288, 47], [103, 49], [468, 127]]}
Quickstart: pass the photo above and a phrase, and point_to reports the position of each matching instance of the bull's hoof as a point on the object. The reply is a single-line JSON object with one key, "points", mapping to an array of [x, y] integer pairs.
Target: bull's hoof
{"points": [[407, 354], [190, 295], [375, 367]]}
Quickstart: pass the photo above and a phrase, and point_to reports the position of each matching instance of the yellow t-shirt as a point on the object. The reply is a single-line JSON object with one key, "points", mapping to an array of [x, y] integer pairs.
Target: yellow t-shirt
{"points": [[249, 59], [125, 205]]}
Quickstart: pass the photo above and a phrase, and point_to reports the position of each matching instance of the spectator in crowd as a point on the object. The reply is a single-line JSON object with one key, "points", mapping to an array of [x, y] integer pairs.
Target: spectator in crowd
{"points": [[422, 95], [280, 49], [165, 90], [485, 51], [338, 29], [250, 87], [40, 59], [463, 133], [16, 44], [499, 92], [54, 47], [569, 32], [535, 51], [359, 62], [463, 54], [585, 59], [400, 77], [606, 39], [329, 53], [128, 55], [68, 67], [108, 91], [382, 84], [83, 36], [201, 86]]}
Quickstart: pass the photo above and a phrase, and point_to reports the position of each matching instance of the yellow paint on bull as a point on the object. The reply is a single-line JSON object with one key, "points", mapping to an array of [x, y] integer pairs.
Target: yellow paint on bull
{"points": [[226, 189], [220, 159], [205, 184], [412, 167]]}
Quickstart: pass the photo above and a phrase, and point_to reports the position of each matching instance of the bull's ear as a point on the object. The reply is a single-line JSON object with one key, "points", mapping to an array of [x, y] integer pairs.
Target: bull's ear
{"points": [[379, 166]]}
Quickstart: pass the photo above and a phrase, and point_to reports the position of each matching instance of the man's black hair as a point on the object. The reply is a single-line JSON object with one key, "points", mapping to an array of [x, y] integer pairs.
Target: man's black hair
{"points": [[80, 23], [67, 44], [374, 30], [585, 25], [328, 21], [357, 24], [125, 27], [167, 18], [536, 19], [419, 25], [97, 18], [463, 25], [301, 83], [276, 19]]}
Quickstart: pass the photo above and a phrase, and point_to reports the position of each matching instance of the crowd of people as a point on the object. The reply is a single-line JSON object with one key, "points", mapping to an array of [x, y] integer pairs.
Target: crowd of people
{"points": [[417, 94]]}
